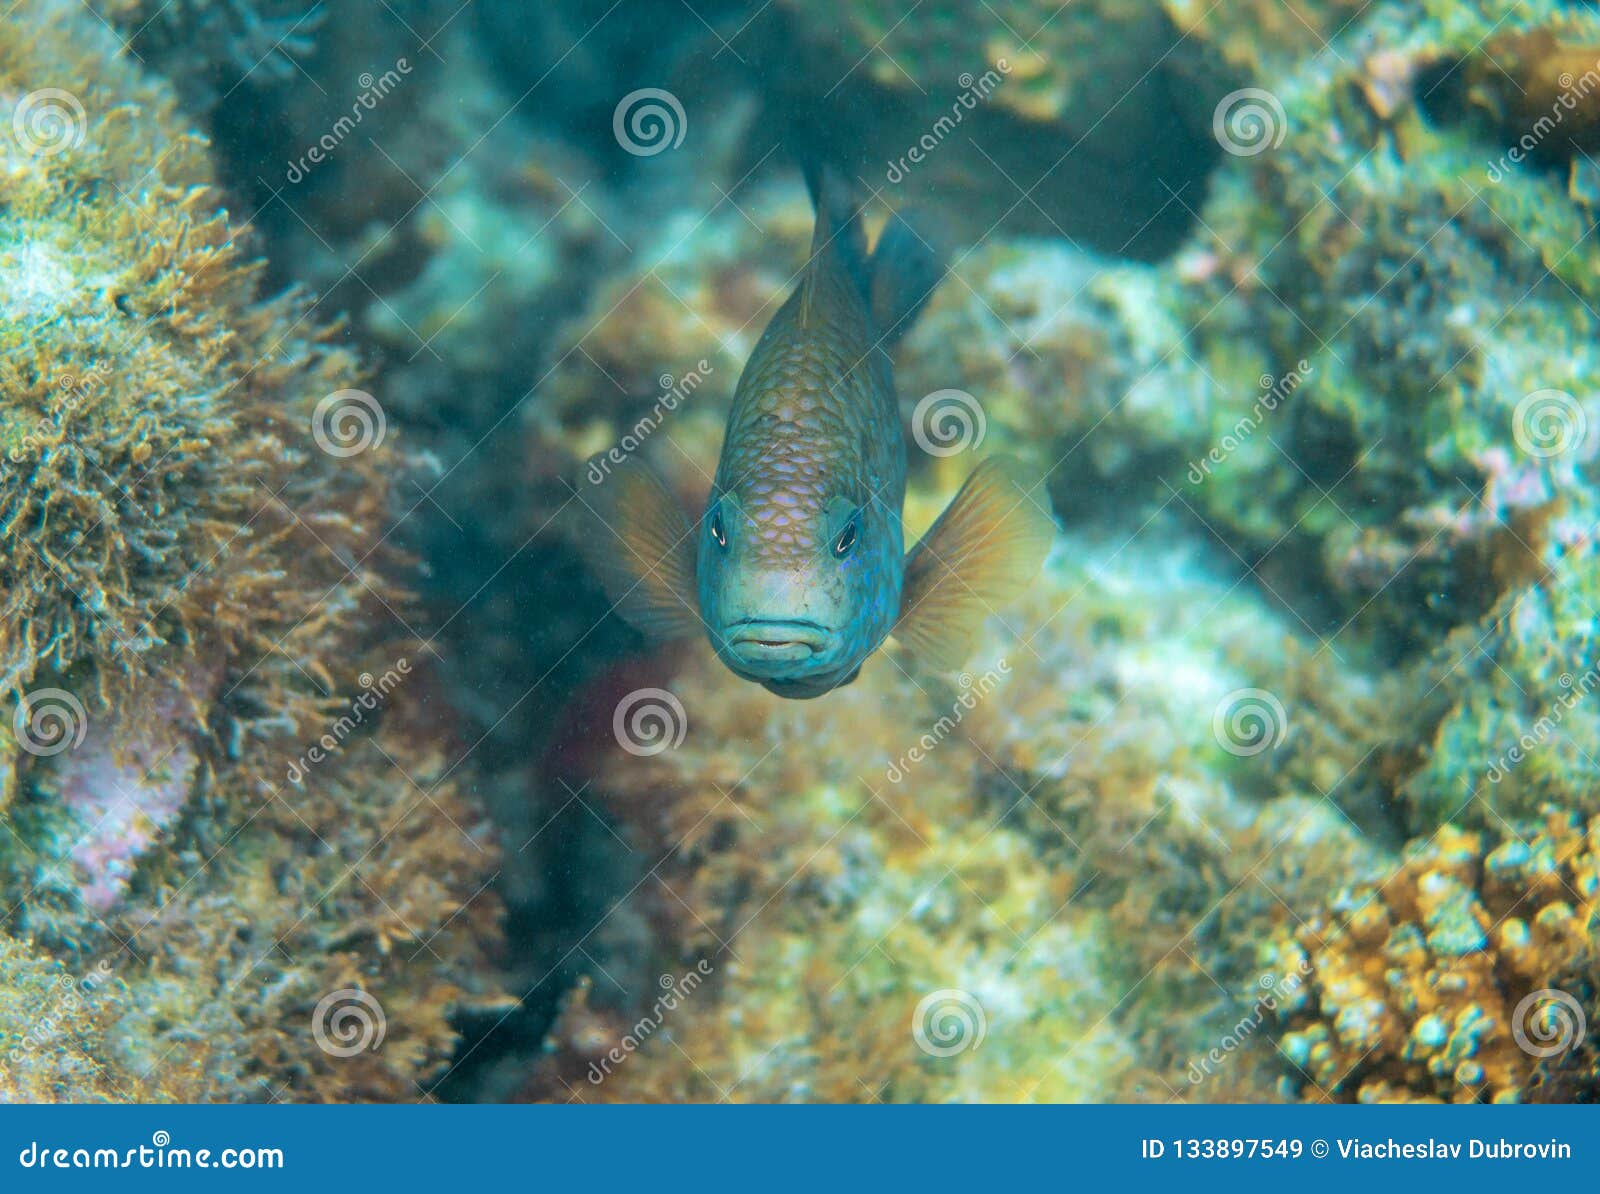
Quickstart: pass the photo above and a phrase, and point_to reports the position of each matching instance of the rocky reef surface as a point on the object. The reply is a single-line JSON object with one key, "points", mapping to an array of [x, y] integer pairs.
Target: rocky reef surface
{"points": [[230, 857], [327, 775]]}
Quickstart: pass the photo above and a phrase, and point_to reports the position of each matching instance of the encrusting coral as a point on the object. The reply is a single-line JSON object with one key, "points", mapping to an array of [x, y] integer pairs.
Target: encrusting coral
{"points": [[48, 1012], [1335, 382], [1465, 976], [1310, 375], [158, 470], [1442, 315], [922, 889], [205, 796]]}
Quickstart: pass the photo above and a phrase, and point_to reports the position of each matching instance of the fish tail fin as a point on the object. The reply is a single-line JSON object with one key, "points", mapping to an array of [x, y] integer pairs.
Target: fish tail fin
{"points": [[906, 267], [637, 539], [838, 229], [980, 553]]}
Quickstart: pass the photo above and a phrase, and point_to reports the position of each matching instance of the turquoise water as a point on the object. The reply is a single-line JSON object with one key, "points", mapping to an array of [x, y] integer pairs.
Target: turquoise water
{"points": [[341, 768]]}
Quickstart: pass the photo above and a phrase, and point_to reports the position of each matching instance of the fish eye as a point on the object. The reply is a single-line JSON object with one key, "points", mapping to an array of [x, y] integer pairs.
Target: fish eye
{"points": [[846, 539], [717, 532]]}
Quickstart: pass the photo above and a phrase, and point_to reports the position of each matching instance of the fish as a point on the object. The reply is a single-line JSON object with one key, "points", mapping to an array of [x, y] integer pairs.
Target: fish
{"points": [[796, 569]]}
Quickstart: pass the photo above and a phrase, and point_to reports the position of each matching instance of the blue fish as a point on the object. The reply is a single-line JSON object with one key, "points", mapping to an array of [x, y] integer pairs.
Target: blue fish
{"points": [[796, 569]]}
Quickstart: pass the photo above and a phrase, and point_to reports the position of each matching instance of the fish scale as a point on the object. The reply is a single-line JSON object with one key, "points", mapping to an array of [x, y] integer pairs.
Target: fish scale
{"points": [[814, 413], [797, 571]]}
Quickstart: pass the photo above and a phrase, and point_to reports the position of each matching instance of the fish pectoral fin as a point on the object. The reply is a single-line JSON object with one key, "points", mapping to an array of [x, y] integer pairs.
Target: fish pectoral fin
{"points": [[641, 544], [983, 550]]}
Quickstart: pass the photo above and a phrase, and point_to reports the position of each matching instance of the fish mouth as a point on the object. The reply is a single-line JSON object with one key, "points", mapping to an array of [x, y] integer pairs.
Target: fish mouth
{"points": [[770, 640]]}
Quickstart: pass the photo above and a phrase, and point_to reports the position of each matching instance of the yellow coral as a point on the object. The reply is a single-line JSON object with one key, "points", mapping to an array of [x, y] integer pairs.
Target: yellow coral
{"points": [[1431, 985], [157, 468]]}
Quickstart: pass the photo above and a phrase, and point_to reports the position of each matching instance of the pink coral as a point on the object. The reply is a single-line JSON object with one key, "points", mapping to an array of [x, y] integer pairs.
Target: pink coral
{"points": [[126, 781]]}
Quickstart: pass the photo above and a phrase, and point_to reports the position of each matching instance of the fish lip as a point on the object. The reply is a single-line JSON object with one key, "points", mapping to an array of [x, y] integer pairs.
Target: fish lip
{"points": [[776, 640]]}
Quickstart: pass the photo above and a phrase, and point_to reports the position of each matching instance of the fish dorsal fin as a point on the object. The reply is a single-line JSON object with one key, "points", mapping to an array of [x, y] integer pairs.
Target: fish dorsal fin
{"points": [[980, 553], [907, 265], [837, 238], [640, 543]]}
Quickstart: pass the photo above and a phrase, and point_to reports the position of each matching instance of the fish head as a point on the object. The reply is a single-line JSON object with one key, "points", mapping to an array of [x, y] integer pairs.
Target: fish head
{"points": [[796, 593]]}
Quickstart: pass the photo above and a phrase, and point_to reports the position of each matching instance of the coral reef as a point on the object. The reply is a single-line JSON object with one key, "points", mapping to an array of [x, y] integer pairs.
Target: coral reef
{"points": [[1465, 976], [955, 896], [159, 464], [372, 876], [959, 101], [1443, 318], [206, 798], [1339, 381], [55, 1028], [1293, 303], [210, 48], [1365, 458]]}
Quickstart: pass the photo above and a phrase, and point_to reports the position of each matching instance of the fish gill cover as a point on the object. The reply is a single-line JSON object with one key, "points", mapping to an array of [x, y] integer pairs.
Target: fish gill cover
{"points": [[331, 770]]}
